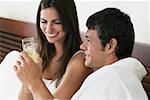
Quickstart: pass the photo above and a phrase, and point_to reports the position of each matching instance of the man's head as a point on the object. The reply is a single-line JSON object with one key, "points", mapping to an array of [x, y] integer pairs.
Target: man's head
{"points": [[110, 37]]}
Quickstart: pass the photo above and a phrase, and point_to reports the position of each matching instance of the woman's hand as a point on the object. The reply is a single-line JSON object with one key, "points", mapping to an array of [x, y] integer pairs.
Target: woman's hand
{"points": [[30, 74], [27, 71]]}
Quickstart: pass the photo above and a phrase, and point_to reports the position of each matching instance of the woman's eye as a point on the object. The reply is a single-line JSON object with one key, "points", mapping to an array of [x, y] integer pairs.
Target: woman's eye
{"points": [[57, 21], [43, 22]]}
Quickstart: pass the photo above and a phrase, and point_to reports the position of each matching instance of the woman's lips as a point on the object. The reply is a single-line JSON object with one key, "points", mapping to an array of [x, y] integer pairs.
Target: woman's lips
{"points": [[52, 35]]}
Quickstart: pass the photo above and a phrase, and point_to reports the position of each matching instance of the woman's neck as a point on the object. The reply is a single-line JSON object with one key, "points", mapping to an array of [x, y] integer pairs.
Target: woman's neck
{"points": [[54, 65], [59, 50]]}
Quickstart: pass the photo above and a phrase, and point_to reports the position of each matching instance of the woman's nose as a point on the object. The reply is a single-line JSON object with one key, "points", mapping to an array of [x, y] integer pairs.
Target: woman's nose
{"points": [[48, 28]]}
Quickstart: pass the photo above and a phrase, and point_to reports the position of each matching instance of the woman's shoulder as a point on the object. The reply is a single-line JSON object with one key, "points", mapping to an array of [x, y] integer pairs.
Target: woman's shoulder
{"points": [[75, 65], [80, 52], [77, 62], [78, 57]]}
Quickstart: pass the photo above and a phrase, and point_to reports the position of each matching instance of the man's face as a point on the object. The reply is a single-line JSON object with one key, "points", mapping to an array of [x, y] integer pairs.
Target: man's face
{"points": [[94, 51]]}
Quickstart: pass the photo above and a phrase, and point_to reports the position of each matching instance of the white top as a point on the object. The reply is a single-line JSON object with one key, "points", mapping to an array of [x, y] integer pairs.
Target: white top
{"points": [[119, 81], [51, 85]]}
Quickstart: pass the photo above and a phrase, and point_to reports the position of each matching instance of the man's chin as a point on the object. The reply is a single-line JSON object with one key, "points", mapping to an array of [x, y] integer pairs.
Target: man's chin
{"points": [[88, 64]]}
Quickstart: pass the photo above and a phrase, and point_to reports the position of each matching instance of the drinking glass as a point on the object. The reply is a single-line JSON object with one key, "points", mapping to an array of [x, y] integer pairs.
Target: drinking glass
{"points": [[29, 45]]}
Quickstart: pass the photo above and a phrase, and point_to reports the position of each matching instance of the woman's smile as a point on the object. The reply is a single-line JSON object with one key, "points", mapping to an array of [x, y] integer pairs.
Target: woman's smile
{"points": [[52, 35]]}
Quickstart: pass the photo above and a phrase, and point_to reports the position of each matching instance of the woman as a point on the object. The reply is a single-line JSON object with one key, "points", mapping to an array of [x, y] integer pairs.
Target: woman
{"points": [[62, 71]]}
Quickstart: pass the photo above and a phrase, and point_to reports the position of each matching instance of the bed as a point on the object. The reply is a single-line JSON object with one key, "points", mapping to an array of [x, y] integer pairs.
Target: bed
{"points": [[12, 31]]}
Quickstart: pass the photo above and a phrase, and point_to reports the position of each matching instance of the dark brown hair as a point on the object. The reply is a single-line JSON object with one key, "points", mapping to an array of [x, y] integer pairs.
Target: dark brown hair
{"points": [[68, 16]]}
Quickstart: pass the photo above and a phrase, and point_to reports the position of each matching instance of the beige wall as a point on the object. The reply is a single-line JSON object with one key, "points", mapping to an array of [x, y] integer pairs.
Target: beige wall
{"points": [[139, 11], [24, 10]]}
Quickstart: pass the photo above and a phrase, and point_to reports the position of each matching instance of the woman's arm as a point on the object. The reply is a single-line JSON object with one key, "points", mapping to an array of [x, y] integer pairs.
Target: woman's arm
{"points": [[25, 93], [73, 78]]}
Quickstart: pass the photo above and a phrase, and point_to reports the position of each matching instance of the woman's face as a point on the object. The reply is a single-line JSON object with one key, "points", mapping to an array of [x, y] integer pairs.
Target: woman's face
{"points": [[51, 25]]}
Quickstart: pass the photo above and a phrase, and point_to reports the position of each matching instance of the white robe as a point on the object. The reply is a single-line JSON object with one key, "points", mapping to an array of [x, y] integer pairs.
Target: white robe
{"points": [[119, 81]]}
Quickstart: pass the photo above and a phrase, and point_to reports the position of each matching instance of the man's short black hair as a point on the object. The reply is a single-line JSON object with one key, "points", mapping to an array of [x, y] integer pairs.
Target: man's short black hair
{"points": [[112, 23]]}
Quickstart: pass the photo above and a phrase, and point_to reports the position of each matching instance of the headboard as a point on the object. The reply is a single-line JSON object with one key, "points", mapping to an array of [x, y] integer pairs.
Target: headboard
{"points": [[11, 34], [141, 51], [12, 31]]}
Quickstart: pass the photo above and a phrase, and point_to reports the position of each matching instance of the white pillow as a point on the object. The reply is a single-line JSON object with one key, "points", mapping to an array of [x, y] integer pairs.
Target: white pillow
{"points": [[9, 84]]}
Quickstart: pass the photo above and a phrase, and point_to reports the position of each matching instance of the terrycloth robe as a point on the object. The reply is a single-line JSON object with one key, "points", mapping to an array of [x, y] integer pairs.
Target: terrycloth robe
{"points": [[118, 81]]}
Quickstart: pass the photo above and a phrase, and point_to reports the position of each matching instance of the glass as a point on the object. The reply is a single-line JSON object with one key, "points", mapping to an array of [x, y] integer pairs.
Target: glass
{"points": [[29, 45]]}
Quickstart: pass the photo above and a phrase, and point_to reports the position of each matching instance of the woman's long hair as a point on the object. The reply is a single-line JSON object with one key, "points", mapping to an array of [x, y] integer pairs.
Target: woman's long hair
{"points": [[68, 16]]}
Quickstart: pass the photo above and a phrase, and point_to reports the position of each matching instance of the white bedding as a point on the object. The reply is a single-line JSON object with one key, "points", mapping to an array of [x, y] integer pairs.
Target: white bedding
{"points": [[9, 84]]}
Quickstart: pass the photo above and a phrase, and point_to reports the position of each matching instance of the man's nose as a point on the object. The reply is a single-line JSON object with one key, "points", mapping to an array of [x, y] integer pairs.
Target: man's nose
{"points": [[83, 46]]}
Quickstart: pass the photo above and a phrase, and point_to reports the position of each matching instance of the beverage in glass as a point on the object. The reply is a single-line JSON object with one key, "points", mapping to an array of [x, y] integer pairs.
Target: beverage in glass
{"points": [[29, 45]]}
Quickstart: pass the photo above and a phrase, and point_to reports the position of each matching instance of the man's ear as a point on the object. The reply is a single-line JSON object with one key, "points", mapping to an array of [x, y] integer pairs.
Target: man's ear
{"points": [[111, 46]]}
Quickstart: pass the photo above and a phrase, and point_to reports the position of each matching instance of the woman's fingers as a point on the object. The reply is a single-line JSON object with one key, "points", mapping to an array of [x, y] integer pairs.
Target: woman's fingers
{"points": [[39, 61], [17, 65], [25, 56], [26, 70], [15, 68]]}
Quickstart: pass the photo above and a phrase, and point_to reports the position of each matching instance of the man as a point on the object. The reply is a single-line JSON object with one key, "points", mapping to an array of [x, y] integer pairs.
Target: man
{"points": [[108, 48]]}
